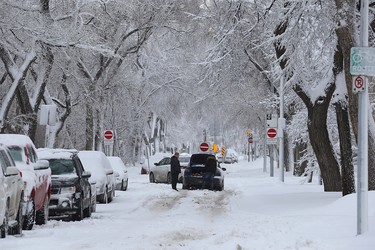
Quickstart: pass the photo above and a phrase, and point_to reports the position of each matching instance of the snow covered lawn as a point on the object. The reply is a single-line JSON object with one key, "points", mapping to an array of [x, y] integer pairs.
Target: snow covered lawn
{"points": [[254, 211]]}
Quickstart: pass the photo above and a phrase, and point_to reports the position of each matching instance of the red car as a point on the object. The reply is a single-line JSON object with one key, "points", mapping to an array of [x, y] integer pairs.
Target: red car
{"points": [[36, 175]]}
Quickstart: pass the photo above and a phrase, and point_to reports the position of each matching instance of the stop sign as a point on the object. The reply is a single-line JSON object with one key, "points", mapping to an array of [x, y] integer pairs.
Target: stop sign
{"points": [[271, 133], [204, 146], [108, 134]]}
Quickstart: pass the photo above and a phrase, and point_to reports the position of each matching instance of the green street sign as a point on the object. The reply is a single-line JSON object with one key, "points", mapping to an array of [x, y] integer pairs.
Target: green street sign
{"points": [[362, 61]]}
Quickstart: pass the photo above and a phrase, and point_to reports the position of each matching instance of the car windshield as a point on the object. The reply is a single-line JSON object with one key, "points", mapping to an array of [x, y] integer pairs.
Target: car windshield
{"points": [[16, 152], [62, 166]]}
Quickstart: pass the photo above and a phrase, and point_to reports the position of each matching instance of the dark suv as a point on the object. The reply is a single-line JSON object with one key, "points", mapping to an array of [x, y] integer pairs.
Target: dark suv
{"points": [[71, 189], [194, 173]]}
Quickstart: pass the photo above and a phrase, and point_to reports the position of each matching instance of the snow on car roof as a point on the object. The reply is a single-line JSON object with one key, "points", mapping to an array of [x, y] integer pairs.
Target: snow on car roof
{"points": [[55, 153], [116, 163], [15, 139], [94, 161]]}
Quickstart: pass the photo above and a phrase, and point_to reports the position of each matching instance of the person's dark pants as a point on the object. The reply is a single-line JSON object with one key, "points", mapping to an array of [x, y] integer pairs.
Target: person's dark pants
{"points": [[174, 180], [208, 181]]}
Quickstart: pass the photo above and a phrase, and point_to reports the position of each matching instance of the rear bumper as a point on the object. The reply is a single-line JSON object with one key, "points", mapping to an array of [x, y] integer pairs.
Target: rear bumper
{"points": [[61, 205], [194, 182]]}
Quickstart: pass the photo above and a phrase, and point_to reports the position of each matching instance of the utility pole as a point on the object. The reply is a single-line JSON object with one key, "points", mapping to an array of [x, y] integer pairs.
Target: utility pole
{"points": [[362, 183]]}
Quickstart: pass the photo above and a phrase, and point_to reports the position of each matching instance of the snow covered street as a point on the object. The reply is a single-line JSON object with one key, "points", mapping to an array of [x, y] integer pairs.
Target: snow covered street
{"points": [[254, 211]]}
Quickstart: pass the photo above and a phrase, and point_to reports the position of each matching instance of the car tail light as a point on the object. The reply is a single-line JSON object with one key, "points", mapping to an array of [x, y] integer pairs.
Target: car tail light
{"points": [[21, 173], [187, 171]]}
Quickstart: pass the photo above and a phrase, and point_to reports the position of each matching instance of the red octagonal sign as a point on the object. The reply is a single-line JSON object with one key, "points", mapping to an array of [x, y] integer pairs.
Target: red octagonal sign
{"points": [[108, 134], [204, 146], [271, 133]]}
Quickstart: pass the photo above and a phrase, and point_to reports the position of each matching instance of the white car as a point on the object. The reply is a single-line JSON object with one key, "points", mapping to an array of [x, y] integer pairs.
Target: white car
{"points": [[121, 173], [101, 172], [36, 176], [11, 192], [161, 171], [184, 162]]}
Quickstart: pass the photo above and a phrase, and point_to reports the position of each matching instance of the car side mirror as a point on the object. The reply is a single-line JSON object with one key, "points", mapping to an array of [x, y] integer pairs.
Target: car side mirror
{"points": [[224, 169], [12, 171], [156, 164], [41, 164], [86, 174]]}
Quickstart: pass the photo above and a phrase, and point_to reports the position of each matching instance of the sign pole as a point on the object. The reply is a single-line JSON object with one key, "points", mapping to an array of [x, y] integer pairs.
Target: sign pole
{"points": [[281, 129], [362, 183]]}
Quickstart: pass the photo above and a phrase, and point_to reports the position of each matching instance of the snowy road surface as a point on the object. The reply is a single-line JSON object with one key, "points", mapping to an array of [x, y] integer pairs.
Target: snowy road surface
{"points": [[254, 211]]}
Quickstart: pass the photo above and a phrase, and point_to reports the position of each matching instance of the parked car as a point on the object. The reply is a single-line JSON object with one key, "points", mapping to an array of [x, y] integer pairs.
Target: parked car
{"points": [[229, 157], [193, 174], [71, 188], [36, 176], [121, 173], [161, 171], [11, 195], [101, 172], [184, 162]]}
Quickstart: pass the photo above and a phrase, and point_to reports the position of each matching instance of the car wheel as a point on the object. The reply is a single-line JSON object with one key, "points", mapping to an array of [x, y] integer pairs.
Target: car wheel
{"points": [[79, 215], [3, 229], [87, 211], [110, 196], [93, 205], [152, 178], [126, 185], [105, 197], [29, 218], [169, 178], [4, 226], [18, 228], [42, 215]]}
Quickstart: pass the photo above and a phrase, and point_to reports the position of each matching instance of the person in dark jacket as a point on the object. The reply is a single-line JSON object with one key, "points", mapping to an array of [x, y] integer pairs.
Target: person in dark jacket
{"points": [[175, 169], [210, 170]]}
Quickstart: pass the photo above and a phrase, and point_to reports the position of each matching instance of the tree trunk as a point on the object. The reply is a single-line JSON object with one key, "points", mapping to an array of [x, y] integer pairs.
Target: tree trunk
{"points": [[89, 127], [346, 160], [342, 116], [317, 123], [319, 137]]}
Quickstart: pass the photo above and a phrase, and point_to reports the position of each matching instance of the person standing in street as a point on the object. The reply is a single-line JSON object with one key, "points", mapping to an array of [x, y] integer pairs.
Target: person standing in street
{"points": [[175, 169], [210, 170]]}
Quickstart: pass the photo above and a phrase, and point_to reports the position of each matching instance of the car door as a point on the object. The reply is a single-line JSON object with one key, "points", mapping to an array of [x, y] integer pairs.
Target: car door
{"points": [[162, 169], [165, 169], [84, 181], [13, 182], [41, 183]]}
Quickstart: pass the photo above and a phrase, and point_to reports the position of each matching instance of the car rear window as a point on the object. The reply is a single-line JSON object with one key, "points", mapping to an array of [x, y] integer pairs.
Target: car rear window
{"points": [[184, 159], [16, 152], [199, 159], [62, 166]]}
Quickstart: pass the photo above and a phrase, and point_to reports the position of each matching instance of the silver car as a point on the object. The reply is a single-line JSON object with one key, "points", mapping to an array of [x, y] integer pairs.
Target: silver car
{"points": [[11, 195], [161, 171], [121, 173], [101, 172]]}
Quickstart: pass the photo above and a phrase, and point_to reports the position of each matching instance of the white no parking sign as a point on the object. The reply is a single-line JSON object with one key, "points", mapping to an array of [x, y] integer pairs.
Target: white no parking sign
{"points": [[359, 84]]}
